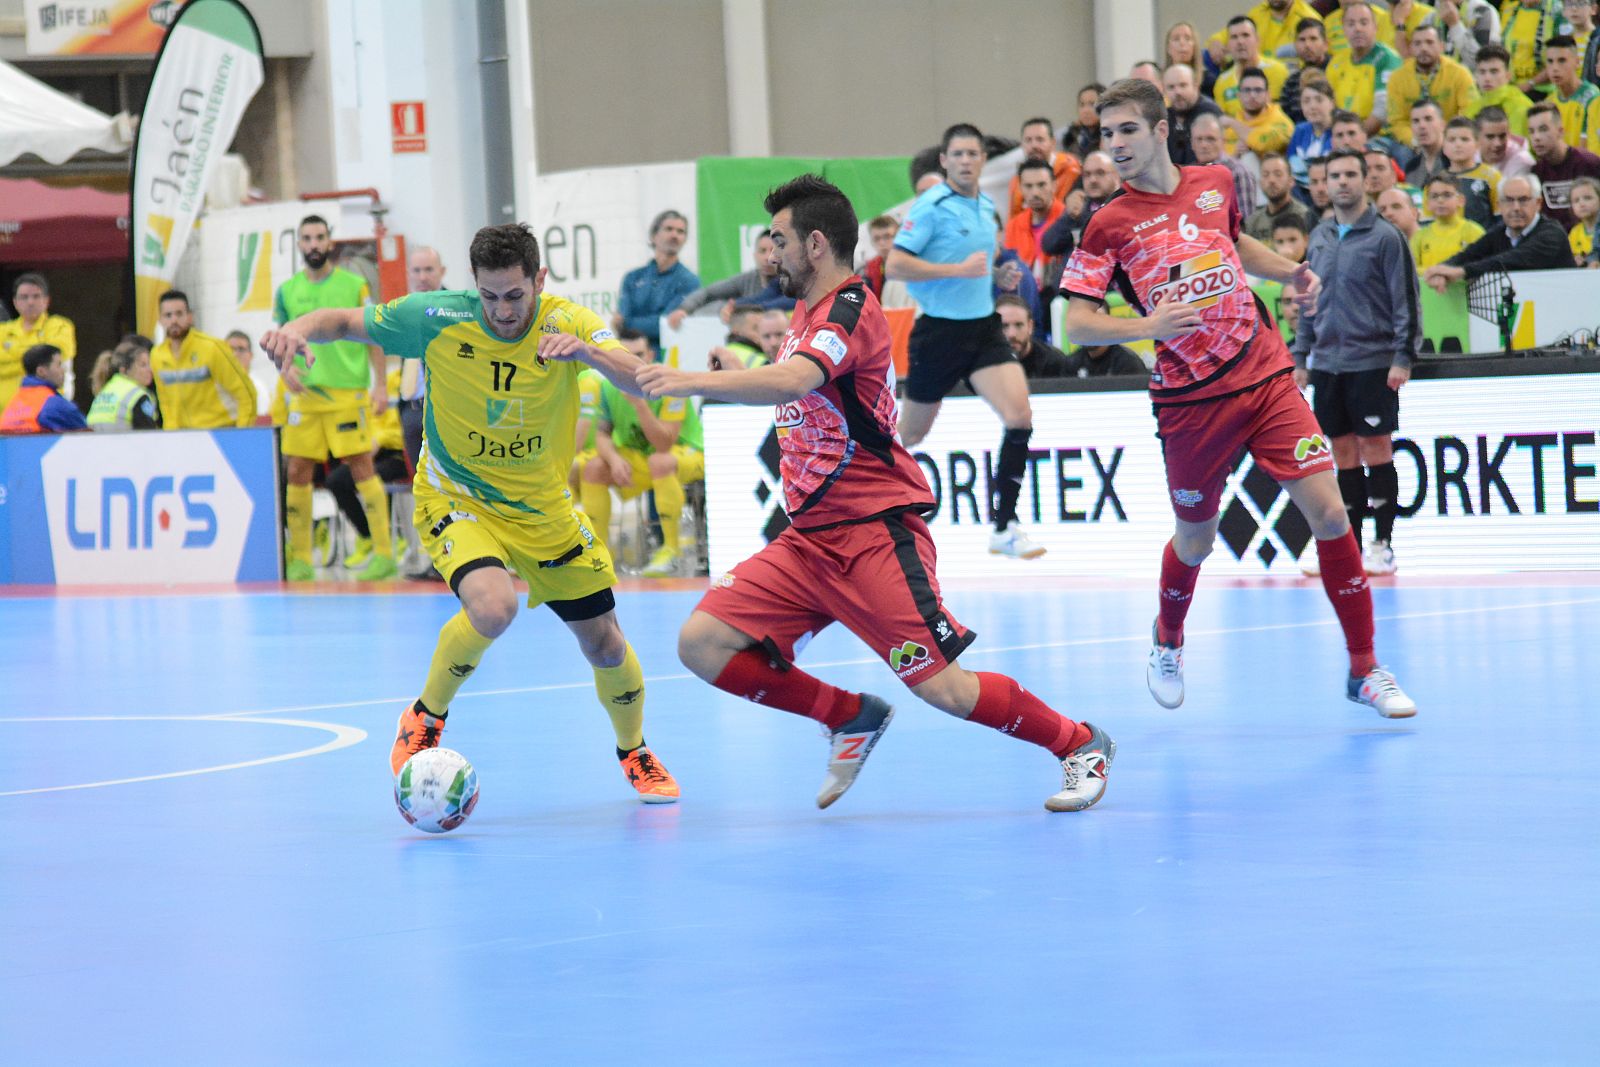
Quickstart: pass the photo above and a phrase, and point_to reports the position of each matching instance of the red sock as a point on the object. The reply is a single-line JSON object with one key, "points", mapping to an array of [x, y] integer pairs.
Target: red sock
{"points": [[1345, 581], [1177, 589], [1005, 706], [752, 675]]}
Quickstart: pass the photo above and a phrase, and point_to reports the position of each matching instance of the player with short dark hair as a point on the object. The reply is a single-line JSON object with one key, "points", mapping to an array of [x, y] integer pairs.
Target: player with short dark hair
{"points": [[857, 550], [945, 253], [1172, 245], [502, 366]]}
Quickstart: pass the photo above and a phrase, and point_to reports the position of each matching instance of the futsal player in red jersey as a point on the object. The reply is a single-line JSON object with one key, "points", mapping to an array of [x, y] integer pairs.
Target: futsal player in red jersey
{"points": [[857, 550], [1222, 381]]}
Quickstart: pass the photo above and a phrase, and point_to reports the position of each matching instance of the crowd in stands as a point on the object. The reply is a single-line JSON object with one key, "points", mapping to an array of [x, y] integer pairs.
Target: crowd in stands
{"points": [[1479, 123]]}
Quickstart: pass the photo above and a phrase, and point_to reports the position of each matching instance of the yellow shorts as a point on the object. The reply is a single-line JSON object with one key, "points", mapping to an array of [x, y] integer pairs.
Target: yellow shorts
{"points": [[691, 467], [560, 560], [336, 426]]}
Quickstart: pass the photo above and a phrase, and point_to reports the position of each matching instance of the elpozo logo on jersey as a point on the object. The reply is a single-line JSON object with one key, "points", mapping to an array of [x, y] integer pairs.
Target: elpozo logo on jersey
{"points": [[1201, 281], [171, 509]]}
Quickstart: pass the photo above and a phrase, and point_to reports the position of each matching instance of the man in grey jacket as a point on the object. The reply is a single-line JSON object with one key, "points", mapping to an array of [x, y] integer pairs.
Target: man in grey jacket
{"points": [[758, 287], [1359, 348]]}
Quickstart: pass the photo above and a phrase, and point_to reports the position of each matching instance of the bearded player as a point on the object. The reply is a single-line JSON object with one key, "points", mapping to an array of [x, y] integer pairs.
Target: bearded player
{"points": [[1222, 381], [857, 550]]}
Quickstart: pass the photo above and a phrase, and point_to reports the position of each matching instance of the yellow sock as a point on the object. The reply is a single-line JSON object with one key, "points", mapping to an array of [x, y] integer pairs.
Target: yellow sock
{"points": [[669, 505], [597, 505], [621, 691], [375, 502], [455, 657], [297, 517]]}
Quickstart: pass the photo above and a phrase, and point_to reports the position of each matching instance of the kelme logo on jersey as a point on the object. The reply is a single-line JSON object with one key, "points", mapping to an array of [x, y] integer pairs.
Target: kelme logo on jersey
{"points": [[503, 414], [907, 654], [1201, 281], [1315, 445]]}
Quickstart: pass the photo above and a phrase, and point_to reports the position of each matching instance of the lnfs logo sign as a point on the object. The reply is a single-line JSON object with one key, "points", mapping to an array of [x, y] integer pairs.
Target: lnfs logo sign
{"points": [[172, 509]]}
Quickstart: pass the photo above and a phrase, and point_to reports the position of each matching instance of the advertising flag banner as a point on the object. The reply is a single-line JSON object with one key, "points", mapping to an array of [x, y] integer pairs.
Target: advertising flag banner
{"points": [[209, 68]]}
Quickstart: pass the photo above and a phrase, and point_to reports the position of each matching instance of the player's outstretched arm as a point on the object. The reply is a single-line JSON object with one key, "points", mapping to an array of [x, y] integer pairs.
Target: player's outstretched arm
{"points": [[1086, 326], [617, 364], [776, 383], [318, 327]]}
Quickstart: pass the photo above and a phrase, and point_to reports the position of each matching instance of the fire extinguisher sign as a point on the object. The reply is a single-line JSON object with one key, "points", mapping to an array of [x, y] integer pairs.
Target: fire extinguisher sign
{"points": [[408, 126]]}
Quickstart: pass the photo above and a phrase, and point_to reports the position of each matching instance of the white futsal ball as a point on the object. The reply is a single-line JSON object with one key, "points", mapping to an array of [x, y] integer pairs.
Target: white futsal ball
{"points": [[436, 790]]}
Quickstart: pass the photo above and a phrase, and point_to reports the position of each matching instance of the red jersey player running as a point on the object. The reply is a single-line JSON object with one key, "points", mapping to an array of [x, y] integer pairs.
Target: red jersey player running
{"points": [[857, 551], [1222, 381]]}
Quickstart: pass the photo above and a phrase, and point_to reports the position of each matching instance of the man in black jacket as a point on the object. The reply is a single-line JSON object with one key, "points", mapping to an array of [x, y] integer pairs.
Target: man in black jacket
{"points": [[1523, 240]]}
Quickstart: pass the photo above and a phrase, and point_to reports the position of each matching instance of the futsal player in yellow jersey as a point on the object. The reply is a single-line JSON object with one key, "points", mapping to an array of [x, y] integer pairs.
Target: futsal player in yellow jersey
{"points": [[331, 415], [501, 401]]}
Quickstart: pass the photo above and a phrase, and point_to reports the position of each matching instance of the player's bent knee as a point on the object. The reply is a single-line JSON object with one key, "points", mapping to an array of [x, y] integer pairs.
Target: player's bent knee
{"points": [[953, 691], [662, 464], [601, 641], [595, 472], [491, 615]]}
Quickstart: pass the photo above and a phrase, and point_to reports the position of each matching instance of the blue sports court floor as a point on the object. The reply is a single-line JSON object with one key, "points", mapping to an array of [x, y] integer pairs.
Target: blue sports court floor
{"points": [[204, 866]]}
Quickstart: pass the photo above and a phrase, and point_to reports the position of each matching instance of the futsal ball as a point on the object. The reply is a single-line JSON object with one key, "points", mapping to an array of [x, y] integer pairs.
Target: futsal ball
{"points": [[436, 790]]}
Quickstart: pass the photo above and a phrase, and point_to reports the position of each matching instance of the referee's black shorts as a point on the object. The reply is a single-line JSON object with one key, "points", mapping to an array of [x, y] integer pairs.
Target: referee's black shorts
{"points": [[946, 351], [1357, 402]]}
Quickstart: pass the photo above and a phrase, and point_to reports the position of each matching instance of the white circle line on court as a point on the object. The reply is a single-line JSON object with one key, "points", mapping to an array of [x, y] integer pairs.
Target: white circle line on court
{"points": [[343, 737], [1083, 642]]}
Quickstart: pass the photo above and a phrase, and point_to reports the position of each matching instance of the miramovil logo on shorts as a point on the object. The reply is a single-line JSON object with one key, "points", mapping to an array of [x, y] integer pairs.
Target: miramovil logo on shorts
{"points": [[905, 658], [1311, 447], [1201, 281]]}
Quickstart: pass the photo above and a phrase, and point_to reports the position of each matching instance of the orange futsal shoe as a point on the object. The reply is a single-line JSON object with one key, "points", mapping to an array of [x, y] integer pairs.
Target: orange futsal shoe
{"points": [[416, 732], [645, 773]]}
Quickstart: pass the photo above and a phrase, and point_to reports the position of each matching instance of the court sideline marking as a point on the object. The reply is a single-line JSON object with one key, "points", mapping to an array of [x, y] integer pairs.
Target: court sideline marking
{"points": [[343, 737]]}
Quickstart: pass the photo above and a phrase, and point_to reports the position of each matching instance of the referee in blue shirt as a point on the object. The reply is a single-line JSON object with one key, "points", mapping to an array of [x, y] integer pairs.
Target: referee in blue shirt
{"points": [[944, 253]]}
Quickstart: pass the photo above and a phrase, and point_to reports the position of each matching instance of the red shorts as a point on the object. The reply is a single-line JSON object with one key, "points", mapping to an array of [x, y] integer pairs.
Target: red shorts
{"points": [[1202, 442], [876, 577]]}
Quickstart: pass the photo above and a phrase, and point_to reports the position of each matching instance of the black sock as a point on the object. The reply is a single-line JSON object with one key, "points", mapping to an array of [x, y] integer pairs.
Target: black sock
{"points": [[1008, 475], [1383, 486], [621, 755], [423, 709], [1353, 488]]}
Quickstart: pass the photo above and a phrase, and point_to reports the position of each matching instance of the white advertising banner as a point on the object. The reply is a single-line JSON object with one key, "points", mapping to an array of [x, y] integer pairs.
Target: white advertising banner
{"points": [[1496, 474], [593, 225], [208, 69]]}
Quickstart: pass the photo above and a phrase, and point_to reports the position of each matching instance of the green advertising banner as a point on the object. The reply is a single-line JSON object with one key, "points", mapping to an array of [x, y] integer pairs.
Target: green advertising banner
{"points": [[729, 192]]}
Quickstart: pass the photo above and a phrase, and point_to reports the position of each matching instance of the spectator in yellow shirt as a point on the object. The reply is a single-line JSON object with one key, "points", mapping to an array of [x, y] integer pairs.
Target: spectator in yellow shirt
{"points": [[1339, 43], [34, 325], [199, 382], [1584, 199], [1245, 49], [1407, 16], [1492, 73], [1525, 25], [1277, 22], [1448, 233], [1360, 75], [1577, 100], [1428, 75], [1262, 126]]}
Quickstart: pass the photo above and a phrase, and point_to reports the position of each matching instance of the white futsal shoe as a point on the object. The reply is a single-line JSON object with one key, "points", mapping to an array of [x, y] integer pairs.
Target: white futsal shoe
{"points": [[1083, 773], [1378, 560], [851, 744], [1378, 690], [1164, 675], [1014, 543]]}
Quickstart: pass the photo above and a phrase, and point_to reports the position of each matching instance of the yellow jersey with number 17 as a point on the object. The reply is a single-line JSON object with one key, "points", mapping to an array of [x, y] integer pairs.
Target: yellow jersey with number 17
{"points": [[499, 419]]}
